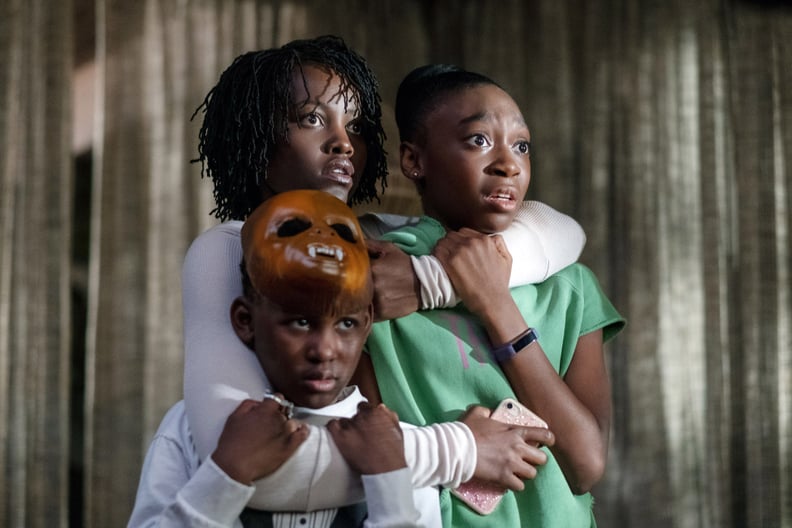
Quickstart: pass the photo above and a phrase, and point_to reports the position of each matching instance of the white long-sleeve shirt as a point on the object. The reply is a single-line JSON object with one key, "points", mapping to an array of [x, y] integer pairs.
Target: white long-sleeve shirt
{"points": [[220, 371], [177, 490]]}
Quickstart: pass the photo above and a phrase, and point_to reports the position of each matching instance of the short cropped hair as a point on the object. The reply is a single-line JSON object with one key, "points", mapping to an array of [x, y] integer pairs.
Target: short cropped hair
{"points": [[423, 87]]}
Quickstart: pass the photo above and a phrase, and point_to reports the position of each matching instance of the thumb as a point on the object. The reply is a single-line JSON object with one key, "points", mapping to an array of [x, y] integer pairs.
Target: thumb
{"points": [[479, 411]]}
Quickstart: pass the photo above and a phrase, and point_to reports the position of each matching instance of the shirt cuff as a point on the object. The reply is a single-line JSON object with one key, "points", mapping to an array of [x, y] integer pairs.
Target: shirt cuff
{"points": [[214, 495], [436, 288], [389, 497]]}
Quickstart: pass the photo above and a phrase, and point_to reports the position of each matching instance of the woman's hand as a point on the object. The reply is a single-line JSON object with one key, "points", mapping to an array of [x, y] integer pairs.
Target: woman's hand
{"points": [[507, 454], [256, 440], [397, 291], [371, 441]]}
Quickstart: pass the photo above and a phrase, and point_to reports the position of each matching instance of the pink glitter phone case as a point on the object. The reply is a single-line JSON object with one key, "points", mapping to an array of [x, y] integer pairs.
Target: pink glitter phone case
{"points": [[483, 496]]}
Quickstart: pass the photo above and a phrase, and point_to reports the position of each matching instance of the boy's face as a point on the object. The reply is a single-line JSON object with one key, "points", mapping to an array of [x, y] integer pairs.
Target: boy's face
{"points": [[312, 309], [325, 150], [309, 358], [474, 162]]}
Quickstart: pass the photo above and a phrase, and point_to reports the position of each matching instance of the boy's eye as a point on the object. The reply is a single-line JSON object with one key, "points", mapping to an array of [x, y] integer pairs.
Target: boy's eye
{"points": [[300, 323], [347, 324]]}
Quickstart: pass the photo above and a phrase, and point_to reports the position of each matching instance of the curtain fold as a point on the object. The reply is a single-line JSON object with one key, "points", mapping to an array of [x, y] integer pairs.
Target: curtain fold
{"points": [[35, 243]]}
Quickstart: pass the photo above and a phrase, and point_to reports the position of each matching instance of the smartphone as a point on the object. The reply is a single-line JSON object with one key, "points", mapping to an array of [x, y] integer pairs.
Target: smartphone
{"points": [[481, 496]]}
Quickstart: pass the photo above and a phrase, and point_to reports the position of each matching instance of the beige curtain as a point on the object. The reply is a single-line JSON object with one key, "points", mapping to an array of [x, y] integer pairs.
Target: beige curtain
{"points": [[35, 243], [664, 127]]}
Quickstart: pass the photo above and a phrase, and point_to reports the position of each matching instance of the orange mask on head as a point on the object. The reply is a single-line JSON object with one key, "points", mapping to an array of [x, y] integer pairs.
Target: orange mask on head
{"points": [[304, 250]]}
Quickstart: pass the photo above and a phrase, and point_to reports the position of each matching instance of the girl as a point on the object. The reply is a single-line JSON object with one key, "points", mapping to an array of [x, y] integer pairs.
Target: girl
{"points": [[466, 147]]}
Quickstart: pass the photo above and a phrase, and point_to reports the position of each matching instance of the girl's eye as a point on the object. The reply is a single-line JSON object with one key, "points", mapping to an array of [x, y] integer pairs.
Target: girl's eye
{"points": [[478, 140], [523, 147]]}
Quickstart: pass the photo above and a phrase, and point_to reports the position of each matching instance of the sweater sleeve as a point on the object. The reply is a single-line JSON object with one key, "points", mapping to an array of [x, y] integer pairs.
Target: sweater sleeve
{"points": [[541, 241], [317, 476], [219, 370]]}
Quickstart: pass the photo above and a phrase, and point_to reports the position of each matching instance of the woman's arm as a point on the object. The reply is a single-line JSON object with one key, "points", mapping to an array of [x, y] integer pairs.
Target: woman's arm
{"points": [[219, 370], [541, 242], [576, 408]]}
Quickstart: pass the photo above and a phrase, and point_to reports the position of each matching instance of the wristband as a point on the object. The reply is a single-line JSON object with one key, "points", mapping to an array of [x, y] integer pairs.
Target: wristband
{"points": [[510, 349]]}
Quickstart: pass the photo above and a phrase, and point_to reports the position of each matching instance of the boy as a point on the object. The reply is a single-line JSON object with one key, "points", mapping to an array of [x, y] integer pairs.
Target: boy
{"points": [[306, 311]]}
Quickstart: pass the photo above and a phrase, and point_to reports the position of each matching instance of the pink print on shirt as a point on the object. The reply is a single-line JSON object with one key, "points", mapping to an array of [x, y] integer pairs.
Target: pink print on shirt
{"points": [[469, 336]]}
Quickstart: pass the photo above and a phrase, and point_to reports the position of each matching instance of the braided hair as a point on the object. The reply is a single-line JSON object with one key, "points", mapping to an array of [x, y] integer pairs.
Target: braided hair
{"points": [[246, 118]]}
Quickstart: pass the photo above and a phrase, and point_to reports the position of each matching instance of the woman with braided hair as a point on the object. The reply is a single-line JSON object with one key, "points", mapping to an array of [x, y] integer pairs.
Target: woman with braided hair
{"points": [[307, 116]]}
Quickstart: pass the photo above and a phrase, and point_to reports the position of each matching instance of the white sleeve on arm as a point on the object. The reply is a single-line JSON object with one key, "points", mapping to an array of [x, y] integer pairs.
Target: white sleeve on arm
{"points": [[317, 477], [175, 492], [442, 454], [541, 241], [390, 502], [219, 370]]}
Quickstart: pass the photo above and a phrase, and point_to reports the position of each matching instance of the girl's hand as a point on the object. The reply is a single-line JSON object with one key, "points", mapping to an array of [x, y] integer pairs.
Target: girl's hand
{"points": [[478, 265]]}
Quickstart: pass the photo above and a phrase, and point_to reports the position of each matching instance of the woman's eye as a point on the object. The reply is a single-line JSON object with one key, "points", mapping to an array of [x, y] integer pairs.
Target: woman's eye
{"points": [[310, 120], [523, 147], [300, 323], [355, 128]]}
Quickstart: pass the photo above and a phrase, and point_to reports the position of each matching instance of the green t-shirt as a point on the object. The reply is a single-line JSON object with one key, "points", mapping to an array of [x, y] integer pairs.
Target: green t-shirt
{"points": [[431, 365]]}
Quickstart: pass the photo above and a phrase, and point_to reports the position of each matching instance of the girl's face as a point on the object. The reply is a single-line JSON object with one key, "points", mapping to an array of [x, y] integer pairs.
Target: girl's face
{"points": [[473, 164], [325, 150]]}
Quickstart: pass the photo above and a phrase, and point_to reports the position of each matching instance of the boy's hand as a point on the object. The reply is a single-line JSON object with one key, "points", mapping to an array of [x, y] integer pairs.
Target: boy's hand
{"points": [[397, 291], [256, 440], [371, 441], [507, 454], [478, 265]]}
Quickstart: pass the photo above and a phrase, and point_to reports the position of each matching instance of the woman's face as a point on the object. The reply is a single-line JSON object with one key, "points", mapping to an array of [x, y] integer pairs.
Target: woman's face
{"points": [[325, 150], [473, 164]]}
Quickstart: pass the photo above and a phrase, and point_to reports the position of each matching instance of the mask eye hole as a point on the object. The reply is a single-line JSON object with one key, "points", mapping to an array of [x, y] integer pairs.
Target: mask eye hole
{"points": [[293, 226], [344, 232]]}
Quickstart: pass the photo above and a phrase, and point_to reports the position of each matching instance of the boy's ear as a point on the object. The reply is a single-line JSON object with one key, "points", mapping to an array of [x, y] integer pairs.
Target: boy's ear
{"points": [[370, 320], [410, 160], [242, 320]]}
